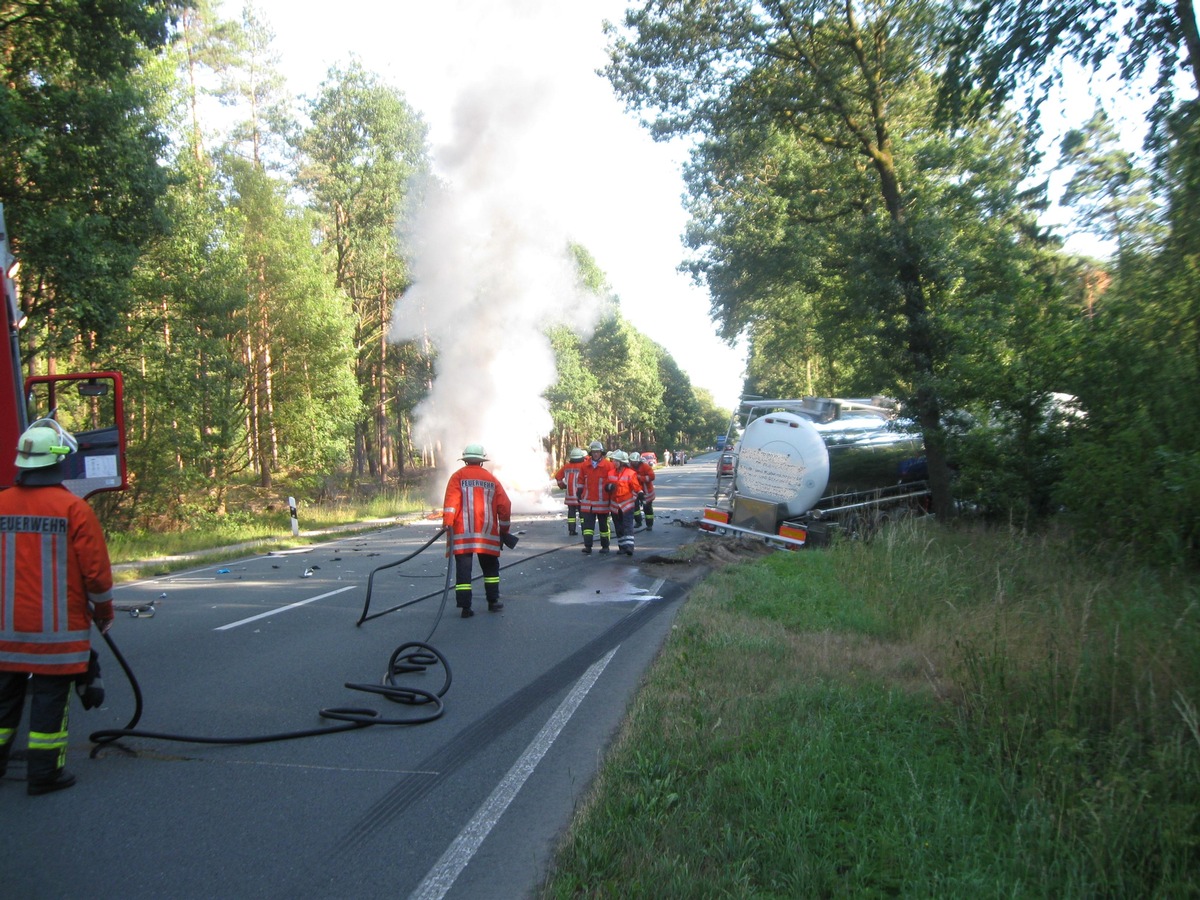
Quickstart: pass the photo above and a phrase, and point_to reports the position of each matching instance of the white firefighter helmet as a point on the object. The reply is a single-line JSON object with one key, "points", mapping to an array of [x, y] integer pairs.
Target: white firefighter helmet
{"points": [[595, 447], [621, 456], [43, 444], [474, 453], [635, 459], [576, 454]]}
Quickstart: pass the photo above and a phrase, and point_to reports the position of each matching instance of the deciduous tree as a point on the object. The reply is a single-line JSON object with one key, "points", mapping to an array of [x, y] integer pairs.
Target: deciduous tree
{"points": [[80, 159], [862, 199]]}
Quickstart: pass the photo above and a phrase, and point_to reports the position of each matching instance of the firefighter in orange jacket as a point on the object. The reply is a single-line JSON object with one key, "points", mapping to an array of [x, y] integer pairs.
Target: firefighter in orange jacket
{"points": [[567, 477], [645, 474], [593, 497], [55, 581], [624, 496], [476, 511]]}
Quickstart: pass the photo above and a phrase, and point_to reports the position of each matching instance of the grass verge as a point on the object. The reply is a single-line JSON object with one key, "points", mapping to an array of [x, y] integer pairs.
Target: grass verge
{"points": [[203, 536], [941, 712]]}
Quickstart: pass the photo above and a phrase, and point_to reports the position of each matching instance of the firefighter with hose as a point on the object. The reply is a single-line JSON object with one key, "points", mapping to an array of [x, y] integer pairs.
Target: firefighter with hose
{"points": [[476, 513], [55, 582]]}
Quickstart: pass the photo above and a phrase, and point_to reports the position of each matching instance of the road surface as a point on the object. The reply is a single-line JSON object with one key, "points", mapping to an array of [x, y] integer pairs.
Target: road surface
{"points": [[469, 805]]}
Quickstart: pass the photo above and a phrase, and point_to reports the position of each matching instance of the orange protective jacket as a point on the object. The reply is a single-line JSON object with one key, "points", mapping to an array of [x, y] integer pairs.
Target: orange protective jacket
{"points": [[593, 476], [625, 488], [477, 509], [645, 473], [567, 477], [54, 569]]}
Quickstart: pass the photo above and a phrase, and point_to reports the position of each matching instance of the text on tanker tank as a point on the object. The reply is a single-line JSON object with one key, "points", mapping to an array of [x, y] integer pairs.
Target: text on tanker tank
{"points": [[768, 475]]}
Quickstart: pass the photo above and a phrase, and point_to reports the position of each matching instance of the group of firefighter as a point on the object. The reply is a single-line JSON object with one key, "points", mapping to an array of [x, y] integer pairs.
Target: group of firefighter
{"points": [[600, 486]]}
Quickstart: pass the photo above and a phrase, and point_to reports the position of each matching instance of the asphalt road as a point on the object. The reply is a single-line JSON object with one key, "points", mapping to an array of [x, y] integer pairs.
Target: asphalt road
{"points": [[466, 806]]}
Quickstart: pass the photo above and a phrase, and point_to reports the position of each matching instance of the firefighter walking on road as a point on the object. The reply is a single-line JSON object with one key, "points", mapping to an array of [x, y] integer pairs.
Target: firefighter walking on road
{"points": [[567, 477], [477, 512], [624, 496], [55, 582], [594, 489]]}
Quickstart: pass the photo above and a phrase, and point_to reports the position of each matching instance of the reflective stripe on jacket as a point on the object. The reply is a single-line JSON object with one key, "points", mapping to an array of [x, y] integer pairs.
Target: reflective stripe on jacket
{"points": [[645, 473], [567, 477], [625, 490], [593, 476], [53, 564], [477, 509]]}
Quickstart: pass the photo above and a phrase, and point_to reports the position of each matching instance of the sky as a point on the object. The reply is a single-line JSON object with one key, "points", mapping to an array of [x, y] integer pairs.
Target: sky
{"points": [[602, 180]]}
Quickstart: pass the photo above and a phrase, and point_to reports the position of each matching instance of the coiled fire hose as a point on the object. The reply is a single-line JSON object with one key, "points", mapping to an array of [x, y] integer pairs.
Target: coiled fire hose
{"points": [[410, 657]]}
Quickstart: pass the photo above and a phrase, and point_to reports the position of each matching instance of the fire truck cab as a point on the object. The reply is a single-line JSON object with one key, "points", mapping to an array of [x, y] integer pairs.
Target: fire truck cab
{"points": [[90, 405]]}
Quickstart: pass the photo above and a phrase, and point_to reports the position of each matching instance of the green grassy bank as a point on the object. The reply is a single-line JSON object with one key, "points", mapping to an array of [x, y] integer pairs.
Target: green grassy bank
{"points": [[941, 712], [253, 517]]}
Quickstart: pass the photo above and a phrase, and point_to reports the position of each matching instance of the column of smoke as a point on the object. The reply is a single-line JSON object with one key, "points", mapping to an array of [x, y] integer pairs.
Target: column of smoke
{"points": [[491, 271]]}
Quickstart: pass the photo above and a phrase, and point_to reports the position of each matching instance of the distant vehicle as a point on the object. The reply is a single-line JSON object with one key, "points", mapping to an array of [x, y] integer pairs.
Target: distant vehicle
{"points": [[720, 442], [726, 465], [649, 456]]}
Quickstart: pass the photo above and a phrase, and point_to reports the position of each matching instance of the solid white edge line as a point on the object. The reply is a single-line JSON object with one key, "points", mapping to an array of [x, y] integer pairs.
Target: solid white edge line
{"points": [[446, 870], [282, 609]]}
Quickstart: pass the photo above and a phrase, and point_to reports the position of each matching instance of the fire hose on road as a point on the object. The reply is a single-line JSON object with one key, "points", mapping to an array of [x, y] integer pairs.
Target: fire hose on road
{"points": [[408, 658]]}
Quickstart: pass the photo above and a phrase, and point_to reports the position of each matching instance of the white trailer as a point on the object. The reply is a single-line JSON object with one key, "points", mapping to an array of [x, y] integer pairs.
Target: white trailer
{"points": [[805, 470]]}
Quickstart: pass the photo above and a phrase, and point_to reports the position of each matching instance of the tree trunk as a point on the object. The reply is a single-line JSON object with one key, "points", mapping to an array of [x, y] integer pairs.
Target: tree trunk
{"points": [[921, 358]]}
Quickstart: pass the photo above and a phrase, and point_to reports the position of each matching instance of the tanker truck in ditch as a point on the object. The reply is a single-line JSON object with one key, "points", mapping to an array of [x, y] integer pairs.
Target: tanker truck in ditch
{"points": [[805, 471]]}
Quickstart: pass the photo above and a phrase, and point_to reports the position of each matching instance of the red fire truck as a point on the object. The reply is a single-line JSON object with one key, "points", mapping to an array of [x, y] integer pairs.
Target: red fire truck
{"points": [[89, 405]]}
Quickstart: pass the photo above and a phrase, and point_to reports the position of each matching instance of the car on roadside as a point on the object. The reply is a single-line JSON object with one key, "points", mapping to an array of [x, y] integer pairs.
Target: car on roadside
{"points": [[726, 465], [649, 456]]}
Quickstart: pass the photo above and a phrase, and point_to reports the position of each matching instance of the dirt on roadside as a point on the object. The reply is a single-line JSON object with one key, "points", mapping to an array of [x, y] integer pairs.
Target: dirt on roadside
{"points": [[692, 561]]}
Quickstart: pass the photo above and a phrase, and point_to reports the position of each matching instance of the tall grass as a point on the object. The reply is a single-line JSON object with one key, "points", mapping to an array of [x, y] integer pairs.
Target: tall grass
{"points": [[937, 713]]}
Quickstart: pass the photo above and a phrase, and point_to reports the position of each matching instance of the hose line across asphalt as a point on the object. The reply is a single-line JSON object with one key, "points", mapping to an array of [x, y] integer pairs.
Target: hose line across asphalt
{"points": [[414, 656]]}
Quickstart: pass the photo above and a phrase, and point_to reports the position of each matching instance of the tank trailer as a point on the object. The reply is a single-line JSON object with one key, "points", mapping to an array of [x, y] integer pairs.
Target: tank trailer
{"points": [[805, 470]]}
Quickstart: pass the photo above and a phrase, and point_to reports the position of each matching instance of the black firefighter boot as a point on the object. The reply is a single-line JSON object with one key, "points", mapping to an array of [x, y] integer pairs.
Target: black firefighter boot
{"points": [[45, 774]]}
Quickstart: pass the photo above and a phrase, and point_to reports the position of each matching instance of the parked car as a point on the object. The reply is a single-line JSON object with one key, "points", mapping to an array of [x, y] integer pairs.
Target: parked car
{"points": [[649, 456], [725, 465]]}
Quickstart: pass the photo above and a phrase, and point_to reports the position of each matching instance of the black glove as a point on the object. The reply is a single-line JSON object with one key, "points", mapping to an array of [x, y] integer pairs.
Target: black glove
{"points": [[90, 687], [508, 540], [641, 496]]}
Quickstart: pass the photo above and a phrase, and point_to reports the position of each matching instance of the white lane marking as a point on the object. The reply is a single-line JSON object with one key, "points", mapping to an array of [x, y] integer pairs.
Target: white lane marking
{"points": [[442, 876], [282, 609]]}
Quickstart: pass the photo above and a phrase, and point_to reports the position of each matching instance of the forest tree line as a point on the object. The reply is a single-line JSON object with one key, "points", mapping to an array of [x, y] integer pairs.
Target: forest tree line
{"points": [[866, 192], [237, 253]]}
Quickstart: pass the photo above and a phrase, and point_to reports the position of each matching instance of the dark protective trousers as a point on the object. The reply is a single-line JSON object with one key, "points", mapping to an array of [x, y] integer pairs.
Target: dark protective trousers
{"points": [[49, 705], [489, 565], [623, 523], [595, 524]]}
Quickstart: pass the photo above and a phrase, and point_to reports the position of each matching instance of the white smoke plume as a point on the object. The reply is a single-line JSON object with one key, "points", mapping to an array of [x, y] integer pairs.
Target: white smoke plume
{"points": [[490, 263]]}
